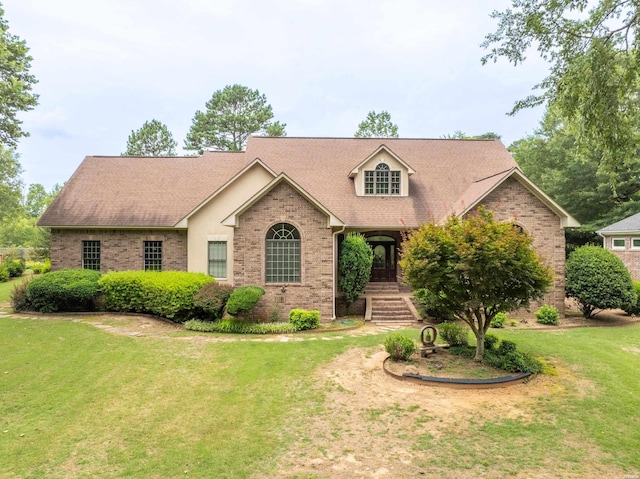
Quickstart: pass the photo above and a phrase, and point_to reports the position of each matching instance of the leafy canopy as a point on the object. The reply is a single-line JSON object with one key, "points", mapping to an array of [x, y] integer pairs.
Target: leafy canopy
{"points": [[15, 84], [476, 267], [573, 177], [593, 51], [10, 183], [232, 115], [152, 139], [377, 125]]}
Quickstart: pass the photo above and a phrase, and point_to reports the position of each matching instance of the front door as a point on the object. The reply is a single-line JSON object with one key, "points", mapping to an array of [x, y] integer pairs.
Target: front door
{"points": [[384, 261]]}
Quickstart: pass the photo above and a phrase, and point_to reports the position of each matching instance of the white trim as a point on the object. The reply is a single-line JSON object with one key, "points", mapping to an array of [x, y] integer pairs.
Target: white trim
{"points": [[613, 244], [355, 171], [632, 246]]}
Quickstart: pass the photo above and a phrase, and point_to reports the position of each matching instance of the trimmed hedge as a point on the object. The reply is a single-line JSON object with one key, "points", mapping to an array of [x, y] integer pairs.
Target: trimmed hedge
{"points": [[303, 319], [598, 279], [454, 334], [547, 315], [239, 327], [243, 300], [211, 300], [64, 290], [168, 294]]}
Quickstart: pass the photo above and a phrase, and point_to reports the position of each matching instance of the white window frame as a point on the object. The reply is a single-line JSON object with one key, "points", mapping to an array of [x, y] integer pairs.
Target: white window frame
{"points": [[633, 239], [613, 243], [212, 261]]}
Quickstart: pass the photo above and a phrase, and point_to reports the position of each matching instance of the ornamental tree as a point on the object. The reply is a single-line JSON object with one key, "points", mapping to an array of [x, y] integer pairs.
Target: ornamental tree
{"points": [[476, 267], [356, 260], [232, 115], [598, 279]]}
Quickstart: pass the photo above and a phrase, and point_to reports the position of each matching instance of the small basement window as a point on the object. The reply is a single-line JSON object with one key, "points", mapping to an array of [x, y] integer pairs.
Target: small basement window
{"points": [[635, 243]]}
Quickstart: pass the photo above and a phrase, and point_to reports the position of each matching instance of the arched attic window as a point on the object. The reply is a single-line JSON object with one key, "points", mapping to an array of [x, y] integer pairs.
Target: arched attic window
{"points": [[382, 181], [282, 254]]}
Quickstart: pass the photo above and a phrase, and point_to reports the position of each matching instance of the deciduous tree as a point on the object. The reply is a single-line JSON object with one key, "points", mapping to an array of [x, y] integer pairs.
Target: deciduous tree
{"points": [[16, 84], [232, 115], [10, 183], [594, 56], [152, 139], [476, 267], [377, 125]]}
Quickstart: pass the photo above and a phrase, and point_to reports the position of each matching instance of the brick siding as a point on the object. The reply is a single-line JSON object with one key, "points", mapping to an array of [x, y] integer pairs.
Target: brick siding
{"points": [[315, 291], [512, 201], [120, 250], [630, 257]]}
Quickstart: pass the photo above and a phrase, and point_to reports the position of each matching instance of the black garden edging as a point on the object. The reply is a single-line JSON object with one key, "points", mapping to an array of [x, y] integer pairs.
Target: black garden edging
{"points": [[459, 383]]}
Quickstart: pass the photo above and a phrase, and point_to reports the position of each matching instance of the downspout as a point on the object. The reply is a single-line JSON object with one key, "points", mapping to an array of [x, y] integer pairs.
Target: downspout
{"points": [[335, 269]]}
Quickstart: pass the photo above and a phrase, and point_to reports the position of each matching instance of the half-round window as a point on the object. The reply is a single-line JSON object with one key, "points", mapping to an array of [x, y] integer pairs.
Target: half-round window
{"points": [[283, 254]]}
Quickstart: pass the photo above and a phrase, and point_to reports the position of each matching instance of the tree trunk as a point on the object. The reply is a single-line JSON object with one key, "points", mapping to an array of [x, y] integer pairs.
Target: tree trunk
{"points": [[479, 345]]}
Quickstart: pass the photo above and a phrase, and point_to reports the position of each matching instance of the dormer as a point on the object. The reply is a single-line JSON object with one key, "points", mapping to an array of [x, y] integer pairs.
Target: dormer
{"points": [[382, 173]]}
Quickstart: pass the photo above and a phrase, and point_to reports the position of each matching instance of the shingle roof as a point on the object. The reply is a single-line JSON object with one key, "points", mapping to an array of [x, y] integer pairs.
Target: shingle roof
{"points": [[627, 225], [159, 192]]}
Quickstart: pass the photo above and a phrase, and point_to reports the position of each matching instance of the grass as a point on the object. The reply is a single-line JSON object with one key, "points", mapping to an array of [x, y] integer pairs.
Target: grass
{"points": [[76, 401], [79, 402]]}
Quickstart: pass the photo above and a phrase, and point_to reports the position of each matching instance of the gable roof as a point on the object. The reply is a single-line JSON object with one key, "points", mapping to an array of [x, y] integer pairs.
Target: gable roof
{"points": [[480, 189], [383, 147], [630, 224], [140, 192]]}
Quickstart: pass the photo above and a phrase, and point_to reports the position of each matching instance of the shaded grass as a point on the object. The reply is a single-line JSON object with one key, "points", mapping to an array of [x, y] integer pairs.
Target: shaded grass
{"points": [[79, 402]]}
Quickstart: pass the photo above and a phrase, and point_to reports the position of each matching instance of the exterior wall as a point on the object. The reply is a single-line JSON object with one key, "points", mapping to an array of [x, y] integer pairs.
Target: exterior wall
{"points": [[513, 202], [120, 250], [630, 256], [205, 225], [315, 291], [382, 157]]}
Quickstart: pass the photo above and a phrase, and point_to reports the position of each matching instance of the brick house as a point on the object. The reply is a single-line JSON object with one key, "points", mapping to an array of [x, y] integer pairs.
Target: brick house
{"points": [[623, 239], [275, 214]]}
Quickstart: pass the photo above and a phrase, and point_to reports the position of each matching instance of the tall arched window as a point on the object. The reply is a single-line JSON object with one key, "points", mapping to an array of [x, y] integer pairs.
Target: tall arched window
{"points": [[283, 254]]}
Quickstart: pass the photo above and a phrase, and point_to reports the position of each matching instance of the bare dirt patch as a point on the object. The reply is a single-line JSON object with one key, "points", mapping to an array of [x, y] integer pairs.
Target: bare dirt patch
{"points": [[374, 426]]}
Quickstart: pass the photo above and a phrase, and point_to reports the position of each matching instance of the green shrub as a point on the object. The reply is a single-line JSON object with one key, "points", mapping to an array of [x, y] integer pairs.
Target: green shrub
{"points": [[356, 259], [432, 307], [498, 320], [633, 308], [490, 341], [4, 273], [211, 299], [19, 299], [39, 267], [598, 279], [303, 319], [506, 347], [64, 290], [519, 362], [547, 315], [243, 300], [239, 327], [505, 357], [168, 294], [454, 334], [15, 266], [399, 347]]}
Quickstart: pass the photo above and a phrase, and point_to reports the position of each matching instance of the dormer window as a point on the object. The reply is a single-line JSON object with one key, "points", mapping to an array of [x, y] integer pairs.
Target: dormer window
{"points": [[381, 181]]}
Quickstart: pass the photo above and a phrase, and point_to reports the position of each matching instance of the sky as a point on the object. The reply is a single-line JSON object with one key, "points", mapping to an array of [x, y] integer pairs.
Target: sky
{"points": [[104, 67]]}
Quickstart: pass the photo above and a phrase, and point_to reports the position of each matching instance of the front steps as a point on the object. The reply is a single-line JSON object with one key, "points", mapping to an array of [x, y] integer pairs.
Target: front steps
{"points": [[387, 306]]}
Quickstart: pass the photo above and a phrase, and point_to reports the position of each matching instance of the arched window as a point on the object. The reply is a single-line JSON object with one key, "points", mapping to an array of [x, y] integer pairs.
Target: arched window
{"points": [[283, 254], [382, 181]]}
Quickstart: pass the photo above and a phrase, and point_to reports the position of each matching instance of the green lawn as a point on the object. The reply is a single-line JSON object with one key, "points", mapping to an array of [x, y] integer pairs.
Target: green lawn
{"points": [[7, 287], [76, 401]]}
